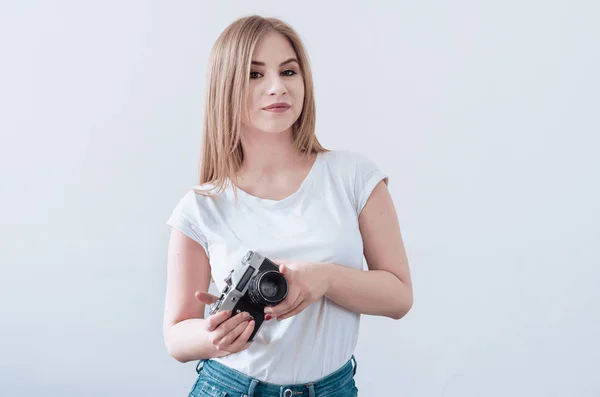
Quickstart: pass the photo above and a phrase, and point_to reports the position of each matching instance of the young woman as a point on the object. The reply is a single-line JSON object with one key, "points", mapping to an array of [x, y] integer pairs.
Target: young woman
{"points": [[267, 185]]}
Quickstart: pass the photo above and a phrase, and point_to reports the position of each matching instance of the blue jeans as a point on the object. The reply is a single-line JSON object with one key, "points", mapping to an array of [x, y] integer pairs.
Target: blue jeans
{"points": [[218, 380]]}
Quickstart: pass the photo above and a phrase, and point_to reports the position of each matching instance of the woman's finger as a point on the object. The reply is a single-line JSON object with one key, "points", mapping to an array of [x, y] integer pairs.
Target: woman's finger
{"points": [[241, 343], [227, 326], [285, 305], [206, 298], [231, 336], [297, 310], [294, 305], [216, 319]]}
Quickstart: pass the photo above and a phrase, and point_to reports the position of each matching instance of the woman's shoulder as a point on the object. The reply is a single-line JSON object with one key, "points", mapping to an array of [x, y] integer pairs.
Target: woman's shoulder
{"points": [[340, 157], [202, 195], [209, 189], [344, 160], [351, 166]]}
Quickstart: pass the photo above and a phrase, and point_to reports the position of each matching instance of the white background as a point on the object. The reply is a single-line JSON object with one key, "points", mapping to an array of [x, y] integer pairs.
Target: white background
{"points": [[484, 114]]}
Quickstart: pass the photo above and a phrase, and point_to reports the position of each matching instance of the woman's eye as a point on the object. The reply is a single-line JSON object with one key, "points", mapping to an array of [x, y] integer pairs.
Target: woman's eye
{"points": [[287, 73]]}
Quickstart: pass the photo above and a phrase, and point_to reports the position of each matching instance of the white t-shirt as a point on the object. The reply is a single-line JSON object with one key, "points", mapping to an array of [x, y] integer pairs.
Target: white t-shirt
{"points": [[318, 223]]}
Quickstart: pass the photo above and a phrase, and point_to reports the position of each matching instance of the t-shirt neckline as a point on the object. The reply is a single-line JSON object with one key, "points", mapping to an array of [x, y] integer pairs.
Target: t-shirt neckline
{"points": [[286, 201]]}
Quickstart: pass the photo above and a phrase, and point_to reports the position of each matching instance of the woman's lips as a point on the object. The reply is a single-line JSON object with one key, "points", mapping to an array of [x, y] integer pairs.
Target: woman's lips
{"points": [[278, 109]]}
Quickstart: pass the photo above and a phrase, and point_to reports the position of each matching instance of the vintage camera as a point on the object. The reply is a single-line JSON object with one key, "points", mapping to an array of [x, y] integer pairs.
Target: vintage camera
{"points": [[251, 287]]}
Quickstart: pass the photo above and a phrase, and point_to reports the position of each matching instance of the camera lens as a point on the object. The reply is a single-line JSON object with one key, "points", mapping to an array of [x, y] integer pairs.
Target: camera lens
{"points": [[268, 288]]}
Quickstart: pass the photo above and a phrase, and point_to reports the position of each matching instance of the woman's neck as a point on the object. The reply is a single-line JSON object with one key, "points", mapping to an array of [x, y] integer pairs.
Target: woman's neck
{"points": [[268, 155]]}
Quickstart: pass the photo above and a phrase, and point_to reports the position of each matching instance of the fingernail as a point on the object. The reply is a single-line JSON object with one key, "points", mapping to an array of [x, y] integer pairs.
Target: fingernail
{"points": [[268, 317]]}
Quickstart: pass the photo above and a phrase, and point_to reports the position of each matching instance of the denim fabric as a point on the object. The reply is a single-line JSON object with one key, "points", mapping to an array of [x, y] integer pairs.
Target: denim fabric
{"points": [[217, 380]]}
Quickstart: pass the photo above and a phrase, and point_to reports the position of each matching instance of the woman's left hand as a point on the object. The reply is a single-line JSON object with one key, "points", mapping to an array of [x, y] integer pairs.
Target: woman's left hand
{"points": [[307, 283]]}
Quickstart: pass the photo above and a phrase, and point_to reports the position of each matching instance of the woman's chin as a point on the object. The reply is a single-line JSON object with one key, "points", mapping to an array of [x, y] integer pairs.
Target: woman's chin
{"points": [[274, 128]]}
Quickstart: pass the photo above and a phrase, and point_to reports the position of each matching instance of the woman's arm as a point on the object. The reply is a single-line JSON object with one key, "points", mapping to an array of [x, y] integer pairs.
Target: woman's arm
{"points": [[386, 288], [187, 341], [184, 326]]}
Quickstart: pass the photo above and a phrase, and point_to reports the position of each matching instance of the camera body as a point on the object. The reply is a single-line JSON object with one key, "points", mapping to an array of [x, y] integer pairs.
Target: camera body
{"points": [[250, 288]]}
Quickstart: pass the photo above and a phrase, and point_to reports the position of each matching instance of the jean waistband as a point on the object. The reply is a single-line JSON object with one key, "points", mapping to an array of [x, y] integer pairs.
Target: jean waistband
{"points": [[250, 386]]}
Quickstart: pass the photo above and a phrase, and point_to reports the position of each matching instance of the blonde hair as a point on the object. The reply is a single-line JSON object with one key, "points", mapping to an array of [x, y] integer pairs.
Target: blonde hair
{"points": [[226, 99]]}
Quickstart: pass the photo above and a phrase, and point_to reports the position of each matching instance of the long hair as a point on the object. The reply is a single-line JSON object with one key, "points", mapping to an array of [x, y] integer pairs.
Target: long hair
{"points": [[226, 100]]}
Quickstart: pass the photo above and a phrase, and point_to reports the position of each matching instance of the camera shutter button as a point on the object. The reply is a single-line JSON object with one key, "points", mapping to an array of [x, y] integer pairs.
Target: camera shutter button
{"points": [[228, 279]]}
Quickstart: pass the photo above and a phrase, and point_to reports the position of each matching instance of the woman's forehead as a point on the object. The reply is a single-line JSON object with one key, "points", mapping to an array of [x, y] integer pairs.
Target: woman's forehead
{"points": [[273, 50]]}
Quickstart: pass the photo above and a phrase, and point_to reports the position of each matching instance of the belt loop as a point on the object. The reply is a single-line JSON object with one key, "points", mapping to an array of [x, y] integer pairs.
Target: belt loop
{"points": [[311, 389], [199, 367], [252, 387], [355, 365]]}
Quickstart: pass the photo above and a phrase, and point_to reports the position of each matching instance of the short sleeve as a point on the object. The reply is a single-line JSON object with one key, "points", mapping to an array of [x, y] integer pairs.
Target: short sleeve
{"points": [[185, 217], [367, 175]]}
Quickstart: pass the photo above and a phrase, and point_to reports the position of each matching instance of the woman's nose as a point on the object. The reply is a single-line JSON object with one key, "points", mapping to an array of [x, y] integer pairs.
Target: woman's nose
{"points": [[276, 86]]}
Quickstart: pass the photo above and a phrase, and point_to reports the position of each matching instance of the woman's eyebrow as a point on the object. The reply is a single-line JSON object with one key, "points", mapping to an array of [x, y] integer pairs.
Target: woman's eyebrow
{"points": [[281, 64]]}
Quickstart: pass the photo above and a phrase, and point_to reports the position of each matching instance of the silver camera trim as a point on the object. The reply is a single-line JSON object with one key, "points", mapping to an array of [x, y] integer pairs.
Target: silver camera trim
{"points": [[230, 295]]}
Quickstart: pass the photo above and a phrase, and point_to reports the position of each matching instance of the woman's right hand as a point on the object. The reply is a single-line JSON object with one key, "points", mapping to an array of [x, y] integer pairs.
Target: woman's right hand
{"points": [[227, 333]]}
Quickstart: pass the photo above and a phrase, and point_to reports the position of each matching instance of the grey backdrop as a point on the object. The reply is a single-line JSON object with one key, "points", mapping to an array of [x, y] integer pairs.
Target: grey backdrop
{"points": [[484, 114]]}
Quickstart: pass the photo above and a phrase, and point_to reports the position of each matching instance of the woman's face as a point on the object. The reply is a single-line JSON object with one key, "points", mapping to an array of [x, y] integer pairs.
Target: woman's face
{"points": [[274, 79]]}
